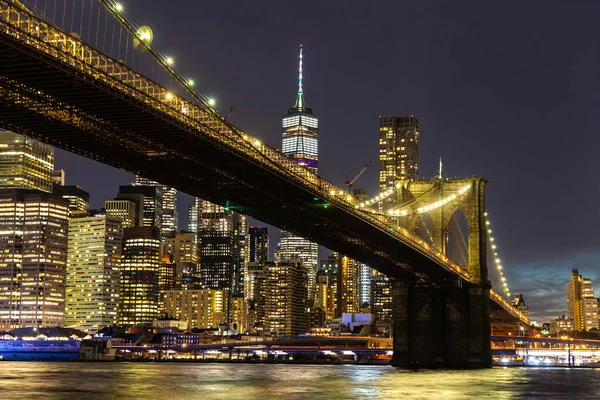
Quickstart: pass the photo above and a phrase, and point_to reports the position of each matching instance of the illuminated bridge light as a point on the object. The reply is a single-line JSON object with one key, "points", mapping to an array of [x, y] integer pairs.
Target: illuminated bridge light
{"points": [[211, 102], [169, 61], [118, 7]]}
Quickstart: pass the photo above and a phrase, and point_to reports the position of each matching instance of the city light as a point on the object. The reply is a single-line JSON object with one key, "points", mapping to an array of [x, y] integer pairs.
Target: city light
{"points": [[496, 259], [169, 60], [119, 7], [190, 82], [211, 102]]}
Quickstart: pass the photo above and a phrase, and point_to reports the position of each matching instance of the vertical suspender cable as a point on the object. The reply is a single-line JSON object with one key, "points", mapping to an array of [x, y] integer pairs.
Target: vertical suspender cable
{"points": [[72, 18], [97, 26], [90, 20]]}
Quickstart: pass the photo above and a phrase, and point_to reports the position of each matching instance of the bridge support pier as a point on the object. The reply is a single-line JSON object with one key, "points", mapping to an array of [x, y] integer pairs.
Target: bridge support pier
{"points": [[441, 326]]}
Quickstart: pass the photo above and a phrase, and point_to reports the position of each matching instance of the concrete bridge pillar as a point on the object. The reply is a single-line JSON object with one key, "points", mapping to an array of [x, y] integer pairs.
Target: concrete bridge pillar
{"points": [[441, 326]]}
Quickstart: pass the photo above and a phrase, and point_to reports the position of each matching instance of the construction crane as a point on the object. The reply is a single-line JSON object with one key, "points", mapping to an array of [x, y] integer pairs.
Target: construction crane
{"points": [[349, 182]]}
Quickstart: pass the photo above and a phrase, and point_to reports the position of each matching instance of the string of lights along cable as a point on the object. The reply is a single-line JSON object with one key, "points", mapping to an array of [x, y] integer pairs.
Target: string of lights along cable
{"points": [[497, 261]]}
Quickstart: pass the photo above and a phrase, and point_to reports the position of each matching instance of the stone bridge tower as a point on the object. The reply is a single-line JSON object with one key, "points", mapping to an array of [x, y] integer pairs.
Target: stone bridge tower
{"points": [[443, 324]]}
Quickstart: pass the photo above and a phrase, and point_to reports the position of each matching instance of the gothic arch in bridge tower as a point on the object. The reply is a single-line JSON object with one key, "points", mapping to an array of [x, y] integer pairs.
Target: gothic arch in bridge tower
{"points": [[438, 200]]}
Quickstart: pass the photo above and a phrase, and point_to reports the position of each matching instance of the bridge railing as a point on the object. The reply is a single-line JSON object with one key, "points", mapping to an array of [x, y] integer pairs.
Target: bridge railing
{"points": [[508, 306], [197, 118]]}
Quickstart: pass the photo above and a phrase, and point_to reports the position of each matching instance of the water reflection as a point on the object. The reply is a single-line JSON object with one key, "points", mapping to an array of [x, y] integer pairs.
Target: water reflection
{"points": [[27, 380]]}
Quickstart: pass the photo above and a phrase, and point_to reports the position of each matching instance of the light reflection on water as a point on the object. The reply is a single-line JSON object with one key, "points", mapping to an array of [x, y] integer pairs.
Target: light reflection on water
{"points": [[39, 380]]}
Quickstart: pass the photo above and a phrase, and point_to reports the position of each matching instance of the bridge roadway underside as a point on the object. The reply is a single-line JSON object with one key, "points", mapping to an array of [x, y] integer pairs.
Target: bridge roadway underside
{"points": [[44, 98]]}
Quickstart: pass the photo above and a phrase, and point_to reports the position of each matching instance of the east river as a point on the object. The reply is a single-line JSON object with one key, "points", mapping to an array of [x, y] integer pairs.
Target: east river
{"points": [[174, 381]]}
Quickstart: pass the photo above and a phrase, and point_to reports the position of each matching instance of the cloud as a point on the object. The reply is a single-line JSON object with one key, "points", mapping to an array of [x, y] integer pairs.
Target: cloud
{"points": [[543, 283]]}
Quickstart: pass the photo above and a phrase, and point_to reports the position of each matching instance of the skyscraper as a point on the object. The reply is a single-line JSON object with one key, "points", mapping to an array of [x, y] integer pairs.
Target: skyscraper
{"points": [[348, 285], [240, 252], [152, 201], [93, 272], [33, 258], [398, 159], [79, 199], [381, 297], [25, 163], [582, 306], [126, 210], [170, 216], [139, 267], [300, 129], [285, 298], [258, 244], [398, 150], [216, 246]]}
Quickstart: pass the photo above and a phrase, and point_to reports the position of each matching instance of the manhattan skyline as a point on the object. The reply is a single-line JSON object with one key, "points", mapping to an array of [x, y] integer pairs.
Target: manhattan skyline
{"points": [[447, 64]]}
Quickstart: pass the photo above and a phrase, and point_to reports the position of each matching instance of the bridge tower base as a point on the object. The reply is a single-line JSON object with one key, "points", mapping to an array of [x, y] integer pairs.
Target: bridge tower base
{"points": [[441, 326]]}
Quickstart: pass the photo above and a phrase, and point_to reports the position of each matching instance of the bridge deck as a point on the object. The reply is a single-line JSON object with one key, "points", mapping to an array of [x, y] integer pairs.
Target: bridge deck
{"points": [[55, 88]]}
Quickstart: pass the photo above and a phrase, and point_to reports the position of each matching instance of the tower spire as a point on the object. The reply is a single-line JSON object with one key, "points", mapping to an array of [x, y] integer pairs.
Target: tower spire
{"points": [[300, 99]]}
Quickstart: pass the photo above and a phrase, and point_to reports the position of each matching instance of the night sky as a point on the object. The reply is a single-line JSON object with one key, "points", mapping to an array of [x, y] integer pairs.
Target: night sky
{"points": [[508, 93]]}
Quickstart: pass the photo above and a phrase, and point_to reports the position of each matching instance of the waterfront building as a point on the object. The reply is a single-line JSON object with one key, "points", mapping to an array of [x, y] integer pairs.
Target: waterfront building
{"points": [[348, 291], [285, 293], [582, 306], [25, 163], [560, 325], [381, 297], [258, 239], [92, 284], [170, 216], [239, 313], [150, 206], [300, 137], [200, 308], [33, 249], [139, 268]]}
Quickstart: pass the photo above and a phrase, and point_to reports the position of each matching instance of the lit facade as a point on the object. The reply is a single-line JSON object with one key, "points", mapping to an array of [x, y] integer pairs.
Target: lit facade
{"points": [[170, 216], [223, 247], [325, 295], [398, 150], [258, 243], [239, 314], [79, 199], [381, 297], [582, 306], [300, 139], [202, 308], [139, 267], [179, 254], [123, 209], [348, 286], [152, 203], [33, 259], [25, 163], [92, 294], [285, 298]]}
